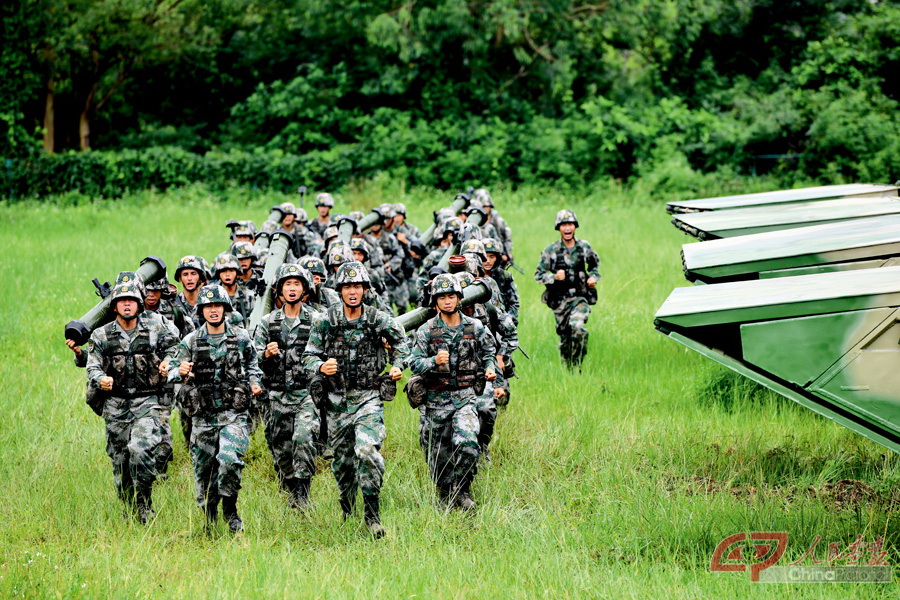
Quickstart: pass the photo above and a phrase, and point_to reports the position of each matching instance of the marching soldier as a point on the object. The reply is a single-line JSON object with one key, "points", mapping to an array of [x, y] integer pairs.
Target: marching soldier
{"points": [[126, 369], [569, 268], [347, 345], [217, 364]]}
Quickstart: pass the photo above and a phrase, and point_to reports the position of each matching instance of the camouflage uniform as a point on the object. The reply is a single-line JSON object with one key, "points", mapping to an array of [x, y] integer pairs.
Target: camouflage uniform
{"points": [[569, 299], [225, 367], [292, 421], [355, 409], [392, 253], [449, 432], [133, 410]]}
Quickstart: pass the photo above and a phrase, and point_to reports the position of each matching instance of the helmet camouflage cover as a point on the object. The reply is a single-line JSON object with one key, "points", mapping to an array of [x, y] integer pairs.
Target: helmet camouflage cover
{"points": [[330, 232], [400, 208], [302, 217], [361, 245], [288, 208], [492, 246], [325, 199], [213, 293], [226, 261], [566, 216], [287, 271], [129, 290], [243, 250], [313, 264], [161, 285], [445, 283], [192, 262], [338, 254], [483, 196], [475, 247], [351, 272]]}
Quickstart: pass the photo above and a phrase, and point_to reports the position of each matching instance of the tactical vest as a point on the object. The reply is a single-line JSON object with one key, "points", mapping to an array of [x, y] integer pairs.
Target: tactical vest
{"points": [[468, 364], [361, 363], [135, 372], [284, 371], [219, 393]]}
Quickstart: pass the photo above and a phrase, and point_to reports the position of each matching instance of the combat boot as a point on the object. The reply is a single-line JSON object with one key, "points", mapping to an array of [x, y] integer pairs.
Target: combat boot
{"points": [[211, 509], [373, 518], [145, 504], [347, 502], [300, 497], [230, 514], [463, 499]]}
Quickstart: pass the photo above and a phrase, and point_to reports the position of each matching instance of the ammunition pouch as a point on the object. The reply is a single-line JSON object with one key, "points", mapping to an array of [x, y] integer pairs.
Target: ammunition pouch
{"points": [[415, 390], [95, 398], [319, 387], [240, 397], [479, 384], [188, 397], [387, 388]]}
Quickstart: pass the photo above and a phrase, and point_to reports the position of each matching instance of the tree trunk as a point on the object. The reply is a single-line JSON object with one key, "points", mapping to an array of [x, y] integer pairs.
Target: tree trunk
{"points": [[84, 120], [49, 118]]}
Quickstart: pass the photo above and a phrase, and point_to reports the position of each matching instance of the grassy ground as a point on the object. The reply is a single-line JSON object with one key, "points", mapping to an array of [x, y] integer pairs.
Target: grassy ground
{"points": [[619, 482]]}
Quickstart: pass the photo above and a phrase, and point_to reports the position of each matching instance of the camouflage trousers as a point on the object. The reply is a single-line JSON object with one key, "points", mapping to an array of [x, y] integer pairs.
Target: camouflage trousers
{"points": [[355, 434], [413, 290], [135, 448], [291, 432], [218, 446], [571, 326], [449, 437], [165, 451], [486, 409]]}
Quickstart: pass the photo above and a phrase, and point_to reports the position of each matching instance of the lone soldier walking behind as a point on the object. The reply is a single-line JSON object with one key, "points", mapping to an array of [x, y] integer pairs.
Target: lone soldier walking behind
{"points": [[569, 268], [126, 369], [292, 421], [218, 366], [452, 352], [347, 346]]}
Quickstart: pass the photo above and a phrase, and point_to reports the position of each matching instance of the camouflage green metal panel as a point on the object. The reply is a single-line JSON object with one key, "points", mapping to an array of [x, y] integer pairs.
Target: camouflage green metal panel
{"points": [[276, 215], [877, 263], [764, 299], [459, 203], [746, 256], [745, 221], [827, 192], [151, 268], [278, 250]]}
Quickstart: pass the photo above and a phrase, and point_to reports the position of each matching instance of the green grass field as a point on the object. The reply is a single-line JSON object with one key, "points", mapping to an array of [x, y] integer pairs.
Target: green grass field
{"points": [[617, 483]]}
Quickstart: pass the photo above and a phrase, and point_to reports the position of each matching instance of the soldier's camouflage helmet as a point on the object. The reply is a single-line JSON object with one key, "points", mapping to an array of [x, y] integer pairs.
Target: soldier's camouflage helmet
{"points": [[464, 279], [245, 229], [492, 246], [400, 208], [226, 261], [213, 293], [130, 277], [288, 208], [287, 271], [483, 196], [330, 233], [445, 284], [302, 217], [566, 216], [360, 245], [339, 254], [475, 247], [385, 211], [314, 265], [351, 272], [243, 250], [325, 199], [449, 225], [269, 226], [356, 215], [158, 285], [130, 290], [192, 262]]}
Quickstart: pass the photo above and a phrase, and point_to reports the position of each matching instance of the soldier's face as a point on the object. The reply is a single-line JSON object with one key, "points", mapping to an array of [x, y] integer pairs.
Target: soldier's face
{"points": [[376, 229], [214, 314], [190, 279], [567, 231], [323, 211], [287, 221], [490, 261], [244, 238], [228, 276], [352, 294], [245, 264], [358, 256], [127, 308], [152, 298], [292, 290], [447, 303], [398, 219]]}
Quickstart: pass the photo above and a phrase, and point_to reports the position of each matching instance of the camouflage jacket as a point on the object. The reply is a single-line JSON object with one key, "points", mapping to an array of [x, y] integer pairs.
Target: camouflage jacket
{"points": [[255, 284], [317, 227], [133, 363], [283, 374], [508, 290], [580, 263], [236, 367], [358, 346], [243, 302], [412, 232], [391, 251], [472, 352], [175, 313]]}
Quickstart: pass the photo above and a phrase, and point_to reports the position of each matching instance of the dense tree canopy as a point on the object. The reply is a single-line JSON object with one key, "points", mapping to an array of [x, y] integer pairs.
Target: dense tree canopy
{"points": [[438, 91]]}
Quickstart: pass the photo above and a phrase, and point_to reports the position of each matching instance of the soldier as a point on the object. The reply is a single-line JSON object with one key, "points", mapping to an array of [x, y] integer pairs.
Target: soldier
{"points": [[569, 268], [126, 368], [319, 297], [250, 277], [455, 355], [324, 204], [191, 273], [493, 268], [292, 420], [347, 346], [504, 233], [226, 269], [218, 366], [380, 238]]}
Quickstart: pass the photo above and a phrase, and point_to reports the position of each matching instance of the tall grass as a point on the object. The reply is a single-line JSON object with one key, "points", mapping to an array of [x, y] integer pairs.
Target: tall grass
{"points": [[618, 482]]}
